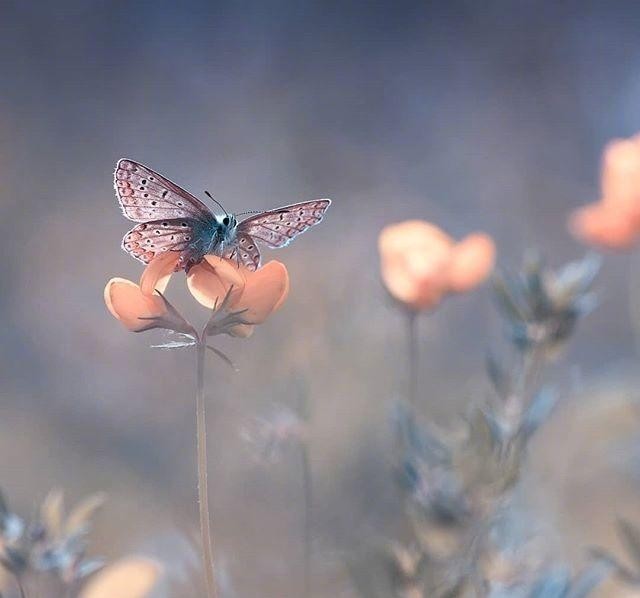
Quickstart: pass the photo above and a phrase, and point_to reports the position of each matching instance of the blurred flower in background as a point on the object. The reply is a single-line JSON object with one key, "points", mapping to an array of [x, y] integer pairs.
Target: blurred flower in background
{"points": [[132, 577], [614, 221], [269, 437], [53, 548], [53, 543], [420, 264]]}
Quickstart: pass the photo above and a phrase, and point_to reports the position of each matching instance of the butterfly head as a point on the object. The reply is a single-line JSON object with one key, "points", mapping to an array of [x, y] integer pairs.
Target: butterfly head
{"points": [[227, 221]]}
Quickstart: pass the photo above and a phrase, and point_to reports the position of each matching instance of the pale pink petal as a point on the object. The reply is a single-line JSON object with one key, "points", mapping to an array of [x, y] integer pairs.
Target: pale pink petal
{"points": [[414, 256], [284, 295], [621, 174], [127, 303], [604, 227], [133, 577], [412, 235], [417, 291], [210, 280], [157, 274], [265, 290], [472, 260]]}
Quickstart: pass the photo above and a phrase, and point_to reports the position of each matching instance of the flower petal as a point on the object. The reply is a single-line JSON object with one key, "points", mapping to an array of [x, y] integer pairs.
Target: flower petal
{"points": [[621, 174], [412, 234], [158, 272], [414, 256], [416, 292], [472, 261], [605, 227], [210, 280], [127, 303], [133, 577], [285, 292], [265, 291]]}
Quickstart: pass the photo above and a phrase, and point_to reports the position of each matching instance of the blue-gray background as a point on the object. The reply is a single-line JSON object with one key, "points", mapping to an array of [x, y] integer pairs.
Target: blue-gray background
{"points": [[475, 115]]}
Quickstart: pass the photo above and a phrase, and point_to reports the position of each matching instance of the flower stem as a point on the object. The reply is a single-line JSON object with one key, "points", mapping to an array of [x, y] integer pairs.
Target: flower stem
{"points": [[203, 491], [532, 364], [23, 593], [412, 339], [307, 485]]}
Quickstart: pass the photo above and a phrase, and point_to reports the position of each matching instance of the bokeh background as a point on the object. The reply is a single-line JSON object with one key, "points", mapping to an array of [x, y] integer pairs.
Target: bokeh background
{"points": [[475, 115]]}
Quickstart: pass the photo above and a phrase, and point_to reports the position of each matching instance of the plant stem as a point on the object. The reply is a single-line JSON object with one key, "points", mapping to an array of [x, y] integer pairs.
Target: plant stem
{"points": [[412, 339], [307, 484], [23, 593], [533, 361], [203, 490], [634, 299]]}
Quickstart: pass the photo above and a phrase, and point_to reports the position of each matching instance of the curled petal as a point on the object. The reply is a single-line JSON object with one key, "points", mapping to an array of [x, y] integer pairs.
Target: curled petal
{"points": [[157, 274], [127, 303], [604, 227], [265, 290], [472, 261], [210, 281], [133, 577]]}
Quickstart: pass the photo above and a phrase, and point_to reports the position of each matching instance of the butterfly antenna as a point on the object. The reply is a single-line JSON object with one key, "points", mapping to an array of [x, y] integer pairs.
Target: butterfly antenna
{"points": [[250, 212], [214, 200]]}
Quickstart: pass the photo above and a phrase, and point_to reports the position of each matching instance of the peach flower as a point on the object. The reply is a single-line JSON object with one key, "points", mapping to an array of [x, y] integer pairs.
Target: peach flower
{"points": [[216, 283], [133, 577], [420, 264], [614, 221]]}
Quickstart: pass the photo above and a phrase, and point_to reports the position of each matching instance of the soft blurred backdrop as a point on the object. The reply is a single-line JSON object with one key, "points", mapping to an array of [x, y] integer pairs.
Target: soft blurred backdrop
{"points": [[475, 115]]}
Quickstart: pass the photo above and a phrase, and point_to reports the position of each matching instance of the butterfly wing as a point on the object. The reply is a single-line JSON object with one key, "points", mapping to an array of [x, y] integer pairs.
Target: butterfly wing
{"points": [[145, 195], [245, 251], [149, 239], [277, 228]]}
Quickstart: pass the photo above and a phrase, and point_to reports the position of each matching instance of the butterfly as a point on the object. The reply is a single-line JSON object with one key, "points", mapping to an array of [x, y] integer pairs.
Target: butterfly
{"points": [[171, 219]]}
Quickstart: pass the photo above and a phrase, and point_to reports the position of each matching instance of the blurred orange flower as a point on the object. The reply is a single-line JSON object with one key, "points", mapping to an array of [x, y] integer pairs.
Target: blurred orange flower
{"points": [[420, 264], [614, 221], [132, 577], [216, 283]]}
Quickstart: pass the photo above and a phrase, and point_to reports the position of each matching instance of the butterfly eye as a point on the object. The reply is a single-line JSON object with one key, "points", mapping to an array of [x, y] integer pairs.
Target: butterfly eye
{"points": [[225, 221]]}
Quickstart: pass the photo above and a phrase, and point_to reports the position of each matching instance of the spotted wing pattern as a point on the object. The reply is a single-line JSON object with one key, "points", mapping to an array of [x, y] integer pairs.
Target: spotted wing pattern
{"points": [[245, 251], [149, 239], [145, 195], [277, 228]]}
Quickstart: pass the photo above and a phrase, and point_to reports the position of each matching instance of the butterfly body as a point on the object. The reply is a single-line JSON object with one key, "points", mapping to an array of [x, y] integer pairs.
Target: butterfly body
{"points": [[171, 219]]}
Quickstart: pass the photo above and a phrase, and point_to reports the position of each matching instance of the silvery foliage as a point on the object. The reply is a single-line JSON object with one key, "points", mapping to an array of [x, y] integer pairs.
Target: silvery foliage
{"points": [[541, 306], [457, 485], [556, 582], [52, 543], [629, 533]]}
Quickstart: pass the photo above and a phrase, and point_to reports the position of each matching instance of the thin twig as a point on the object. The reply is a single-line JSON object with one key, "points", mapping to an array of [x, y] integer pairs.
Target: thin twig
{"points": [[533, 362], [307, 484], [21, 589], [224, 358], [203, 491]]}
